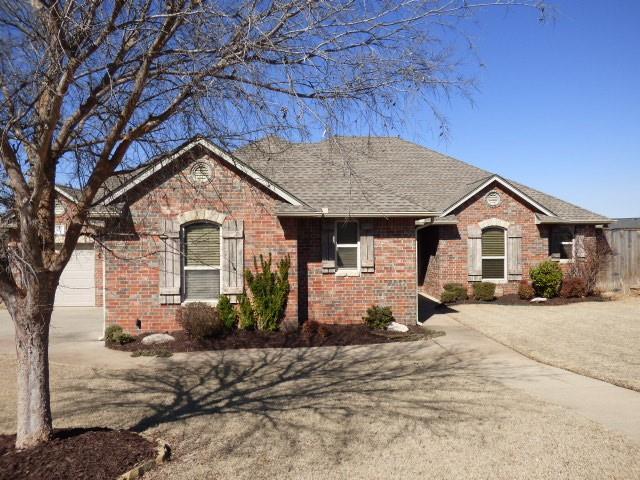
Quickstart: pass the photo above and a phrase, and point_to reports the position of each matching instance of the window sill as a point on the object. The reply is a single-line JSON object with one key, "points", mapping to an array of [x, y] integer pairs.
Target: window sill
{"points": [[347, 273], [562, 260], [213, 302], [497, 281]]}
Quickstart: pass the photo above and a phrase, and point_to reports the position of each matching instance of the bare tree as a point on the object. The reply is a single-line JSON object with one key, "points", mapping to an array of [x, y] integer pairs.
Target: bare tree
{"points": [[87, 85], [594, 257]]}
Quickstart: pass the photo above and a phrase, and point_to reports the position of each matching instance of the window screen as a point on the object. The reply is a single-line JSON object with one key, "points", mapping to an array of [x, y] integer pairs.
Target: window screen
{"points": [[201, 261], [493, 253], [347, 245]]}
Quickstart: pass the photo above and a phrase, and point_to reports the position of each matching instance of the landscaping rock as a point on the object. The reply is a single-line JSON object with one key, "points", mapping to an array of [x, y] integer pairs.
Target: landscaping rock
{"points": [[397, 327], [538, 300], [158, 338]]}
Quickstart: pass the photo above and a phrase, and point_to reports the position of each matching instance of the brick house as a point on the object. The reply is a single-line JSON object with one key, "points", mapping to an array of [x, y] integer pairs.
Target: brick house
{"points": [[364, 221]]}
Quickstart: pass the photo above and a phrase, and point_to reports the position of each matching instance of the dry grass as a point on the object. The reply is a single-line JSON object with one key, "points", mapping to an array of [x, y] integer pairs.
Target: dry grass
{"points": [[381, 411], [600, 340]]}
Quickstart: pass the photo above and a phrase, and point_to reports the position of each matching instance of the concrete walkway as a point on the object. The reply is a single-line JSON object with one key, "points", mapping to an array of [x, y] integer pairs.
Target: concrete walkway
{"points": [[614, 407]]}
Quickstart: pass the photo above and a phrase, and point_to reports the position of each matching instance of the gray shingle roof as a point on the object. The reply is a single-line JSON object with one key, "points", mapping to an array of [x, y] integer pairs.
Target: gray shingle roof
{"points": [[350, 175], [355, 176]]}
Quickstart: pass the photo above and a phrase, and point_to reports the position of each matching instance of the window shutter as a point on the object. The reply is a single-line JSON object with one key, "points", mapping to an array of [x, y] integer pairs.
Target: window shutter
{"points": [[367, 255], [233, 257], [514, 252], [169, 263], [328, 246], [580, 252], [474, 253]]}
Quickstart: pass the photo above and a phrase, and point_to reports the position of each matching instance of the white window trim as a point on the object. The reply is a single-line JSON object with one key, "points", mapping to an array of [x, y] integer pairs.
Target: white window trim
{"points": [[493, 257], [572, 243], [183, 267], [347, 272]]}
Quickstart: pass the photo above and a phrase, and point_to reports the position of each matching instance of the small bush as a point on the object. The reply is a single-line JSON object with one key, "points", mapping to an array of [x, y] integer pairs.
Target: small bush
{"points": [[453, 292], [309, 329], [324, 331], [111, 332], [270, 292], [378, 317], [485, 291], [547, 278], [124, 337], [246, 318], [574, 287], [115, 334], [526, 291], [200, 320], [227, 312], [448, 296]]}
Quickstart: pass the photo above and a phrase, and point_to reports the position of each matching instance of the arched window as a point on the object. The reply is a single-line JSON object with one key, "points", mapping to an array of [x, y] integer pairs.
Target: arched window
{"points": [[201, 261], [493, 253]]}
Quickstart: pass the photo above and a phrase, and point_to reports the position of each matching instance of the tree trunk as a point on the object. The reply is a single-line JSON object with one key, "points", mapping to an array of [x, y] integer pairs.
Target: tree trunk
{"points": [[32, 348]]}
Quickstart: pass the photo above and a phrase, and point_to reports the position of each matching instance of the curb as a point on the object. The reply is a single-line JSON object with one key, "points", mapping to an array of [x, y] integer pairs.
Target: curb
{"points": [[163, 454]]}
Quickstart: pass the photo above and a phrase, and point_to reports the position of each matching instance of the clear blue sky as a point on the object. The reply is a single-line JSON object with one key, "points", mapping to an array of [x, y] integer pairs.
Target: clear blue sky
{"points": [[559, 104]]}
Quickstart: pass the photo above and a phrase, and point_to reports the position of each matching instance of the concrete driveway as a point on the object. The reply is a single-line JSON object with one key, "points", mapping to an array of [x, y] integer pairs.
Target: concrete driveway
{"points": [[74, 331]]}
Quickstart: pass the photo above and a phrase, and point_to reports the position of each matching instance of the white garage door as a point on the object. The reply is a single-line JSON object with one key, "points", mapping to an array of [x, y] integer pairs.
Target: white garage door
{"points": [[77, 286]]}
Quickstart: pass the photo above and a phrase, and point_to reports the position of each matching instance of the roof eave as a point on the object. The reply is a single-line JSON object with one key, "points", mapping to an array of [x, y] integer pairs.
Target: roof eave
{"points": [[546, 220]]}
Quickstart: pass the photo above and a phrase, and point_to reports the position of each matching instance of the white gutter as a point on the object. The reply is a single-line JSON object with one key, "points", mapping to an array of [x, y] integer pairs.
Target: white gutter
{"points": [[356, 214]]}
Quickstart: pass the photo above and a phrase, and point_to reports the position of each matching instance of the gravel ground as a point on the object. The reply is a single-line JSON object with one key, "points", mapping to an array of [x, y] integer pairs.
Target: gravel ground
{"points": [[381, 411], [599, 340]]}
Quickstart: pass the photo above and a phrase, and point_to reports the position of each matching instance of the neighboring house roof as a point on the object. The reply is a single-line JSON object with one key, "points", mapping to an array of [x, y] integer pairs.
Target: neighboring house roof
{"points": [[357, 176], [625, 224]]}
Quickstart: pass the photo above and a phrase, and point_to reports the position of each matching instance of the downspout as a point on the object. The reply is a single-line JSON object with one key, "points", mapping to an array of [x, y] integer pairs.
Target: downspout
{"points": [[104, 292]]}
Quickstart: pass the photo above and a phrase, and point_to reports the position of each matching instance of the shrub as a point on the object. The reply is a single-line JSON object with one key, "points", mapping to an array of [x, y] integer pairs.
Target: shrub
{"points": [[269, 292], [309, 329], [453, 292], [485, 291], [324, 331], [526, 291], [448, 296], [115, 334], [246, 318], [547, 278], [378, 317], [573, 287], [111, 332], [227, 312], [200, 320]]}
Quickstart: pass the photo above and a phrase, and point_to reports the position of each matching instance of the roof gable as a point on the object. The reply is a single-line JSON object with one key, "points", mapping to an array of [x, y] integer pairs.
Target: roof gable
{"points": [[497, 179], [213, 149]]}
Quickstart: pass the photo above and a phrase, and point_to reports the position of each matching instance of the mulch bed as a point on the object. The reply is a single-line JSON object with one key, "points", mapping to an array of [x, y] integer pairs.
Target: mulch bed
{"points": [[320, 336], [76, 454], [513, 299]]}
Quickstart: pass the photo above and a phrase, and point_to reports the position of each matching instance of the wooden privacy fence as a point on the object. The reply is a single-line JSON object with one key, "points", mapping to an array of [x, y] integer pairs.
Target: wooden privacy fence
{"points": [[622, 271]]}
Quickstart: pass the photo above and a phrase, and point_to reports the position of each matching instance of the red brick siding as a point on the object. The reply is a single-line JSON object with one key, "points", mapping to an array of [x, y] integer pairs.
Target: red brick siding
{"points": [[132, 269], [330, 298], [451, 257]]}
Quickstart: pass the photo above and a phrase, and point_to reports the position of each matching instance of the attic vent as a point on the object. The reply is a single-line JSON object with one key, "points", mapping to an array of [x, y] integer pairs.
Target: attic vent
{"points": [[493, 198], [201, 172]]}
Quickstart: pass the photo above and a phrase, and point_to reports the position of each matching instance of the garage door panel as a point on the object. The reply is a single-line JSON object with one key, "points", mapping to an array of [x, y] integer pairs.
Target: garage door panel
{"points": [[77, 283]]}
